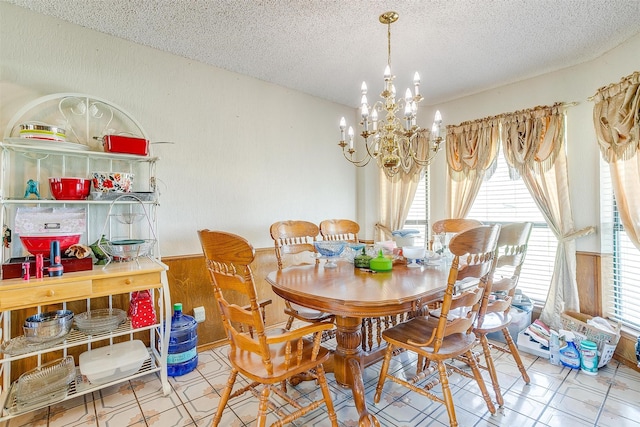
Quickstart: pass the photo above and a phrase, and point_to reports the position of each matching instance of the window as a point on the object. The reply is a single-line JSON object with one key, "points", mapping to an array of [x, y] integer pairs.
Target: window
{"points": [[502, 200], [418, 216], [622, 269], [625, 291]]}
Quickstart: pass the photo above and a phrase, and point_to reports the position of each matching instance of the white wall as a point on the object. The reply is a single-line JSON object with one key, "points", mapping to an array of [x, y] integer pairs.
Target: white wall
{"points": [[246, 153], [575, 84]]}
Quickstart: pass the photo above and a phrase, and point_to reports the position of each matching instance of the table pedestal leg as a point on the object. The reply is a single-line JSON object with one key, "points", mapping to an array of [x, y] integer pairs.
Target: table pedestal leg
{"points": [[348, 365]]}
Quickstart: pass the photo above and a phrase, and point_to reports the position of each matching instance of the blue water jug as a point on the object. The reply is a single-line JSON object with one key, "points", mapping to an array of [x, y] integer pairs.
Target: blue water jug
{"points": [[183, 355]]}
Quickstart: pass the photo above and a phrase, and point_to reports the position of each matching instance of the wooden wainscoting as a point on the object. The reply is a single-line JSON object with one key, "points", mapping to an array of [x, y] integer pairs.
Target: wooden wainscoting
{"points": [[588, 276], [190, 284]]}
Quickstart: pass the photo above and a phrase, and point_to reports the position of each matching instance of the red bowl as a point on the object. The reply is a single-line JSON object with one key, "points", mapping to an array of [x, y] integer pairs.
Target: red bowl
{"points": [[39, 244], [70, 188]]}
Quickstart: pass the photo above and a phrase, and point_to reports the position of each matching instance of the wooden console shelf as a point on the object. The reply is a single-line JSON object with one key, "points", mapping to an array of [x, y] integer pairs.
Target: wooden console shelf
{"points": [[114, 279]]}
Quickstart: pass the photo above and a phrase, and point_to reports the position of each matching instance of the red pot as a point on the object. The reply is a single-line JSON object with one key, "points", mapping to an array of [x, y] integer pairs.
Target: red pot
{"points": [[70, 188], [125, 145]]}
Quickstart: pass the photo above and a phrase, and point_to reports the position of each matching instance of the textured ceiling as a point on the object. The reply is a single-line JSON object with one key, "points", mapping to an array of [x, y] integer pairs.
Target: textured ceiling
{"points": [[328, 47]]}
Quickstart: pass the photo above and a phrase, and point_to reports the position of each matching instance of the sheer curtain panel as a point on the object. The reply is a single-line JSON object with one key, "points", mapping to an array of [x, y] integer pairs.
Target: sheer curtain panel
{"points": [[616, 117]]}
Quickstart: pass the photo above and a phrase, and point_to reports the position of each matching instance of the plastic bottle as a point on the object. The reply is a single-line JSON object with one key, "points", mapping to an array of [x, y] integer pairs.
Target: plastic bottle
{"points": [[183, 356], [569, 354], [589, 357]]}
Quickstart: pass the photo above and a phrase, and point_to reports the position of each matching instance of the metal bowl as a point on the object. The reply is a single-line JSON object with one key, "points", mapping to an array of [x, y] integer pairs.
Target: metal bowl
{"points": [[128, 249], [48, 326]]}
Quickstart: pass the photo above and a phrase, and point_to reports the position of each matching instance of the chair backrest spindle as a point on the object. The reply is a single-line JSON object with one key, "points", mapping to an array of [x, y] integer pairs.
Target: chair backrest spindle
{"points": [[340, 229]]}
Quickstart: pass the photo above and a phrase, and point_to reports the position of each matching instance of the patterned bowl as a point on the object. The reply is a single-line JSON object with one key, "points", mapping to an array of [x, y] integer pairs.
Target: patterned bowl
{"points": [[330, 248], [115, 182]]}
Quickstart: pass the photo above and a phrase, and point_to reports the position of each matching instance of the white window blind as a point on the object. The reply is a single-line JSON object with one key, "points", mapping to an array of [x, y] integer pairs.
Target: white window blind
{"points": [[418, 217], [502, 200], [622, 290]]}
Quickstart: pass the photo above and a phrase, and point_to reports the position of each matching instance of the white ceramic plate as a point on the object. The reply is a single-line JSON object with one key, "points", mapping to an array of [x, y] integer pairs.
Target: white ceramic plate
{"points": [[48, 144]]}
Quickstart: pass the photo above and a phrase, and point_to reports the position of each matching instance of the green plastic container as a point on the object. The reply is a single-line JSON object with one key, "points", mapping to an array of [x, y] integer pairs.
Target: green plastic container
{"points": [[380, 263]]}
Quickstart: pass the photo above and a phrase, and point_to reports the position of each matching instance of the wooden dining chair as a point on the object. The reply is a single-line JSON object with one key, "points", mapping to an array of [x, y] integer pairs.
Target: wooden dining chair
{"points": [[265, 359], [454, 225], [293, 242], [494, 313], [340, 229], [450, 226], [439, 339]]}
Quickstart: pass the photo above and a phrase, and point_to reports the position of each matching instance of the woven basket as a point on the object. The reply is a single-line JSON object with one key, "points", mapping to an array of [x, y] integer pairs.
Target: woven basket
{"points": [[606, 342]]}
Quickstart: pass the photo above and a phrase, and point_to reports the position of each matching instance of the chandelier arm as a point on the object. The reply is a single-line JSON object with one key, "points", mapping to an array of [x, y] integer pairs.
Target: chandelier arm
{"points": [[359, 163]]}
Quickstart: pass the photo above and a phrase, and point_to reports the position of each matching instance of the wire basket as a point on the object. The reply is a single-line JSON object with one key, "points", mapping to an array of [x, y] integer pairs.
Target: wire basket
{"points": [[606, 342], [128, 248]]}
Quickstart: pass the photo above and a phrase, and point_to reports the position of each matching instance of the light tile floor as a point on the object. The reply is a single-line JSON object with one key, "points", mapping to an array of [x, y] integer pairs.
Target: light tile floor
{"points": [[557, 397]]}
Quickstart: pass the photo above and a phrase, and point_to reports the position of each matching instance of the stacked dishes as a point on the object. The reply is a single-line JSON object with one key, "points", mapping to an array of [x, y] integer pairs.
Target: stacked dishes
{"points": [[100, 321], [37, 130], [45, 384]]}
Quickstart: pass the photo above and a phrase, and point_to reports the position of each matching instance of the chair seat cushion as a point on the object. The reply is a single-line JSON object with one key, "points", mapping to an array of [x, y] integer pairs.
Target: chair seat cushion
{"points": [[308, 313], [252, 366], [493, 322], [419, 329]]}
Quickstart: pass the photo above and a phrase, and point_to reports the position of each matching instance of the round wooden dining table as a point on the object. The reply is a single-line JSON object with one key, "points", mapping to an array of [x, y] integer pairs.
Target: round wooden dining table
{"points": [[352, 294]]}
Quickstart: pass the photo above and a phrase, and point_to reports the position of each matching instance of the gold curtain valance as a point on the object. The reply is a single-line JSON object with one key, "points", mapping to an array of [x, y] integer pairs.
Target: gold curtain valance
{"points": [[532, 138], [616, 117], [472, 146]]}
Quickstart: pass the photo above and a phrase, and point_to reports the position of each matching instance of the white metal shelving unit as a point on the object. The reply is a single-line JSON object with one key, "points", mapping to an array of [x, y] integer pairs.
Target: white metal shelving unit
{"points": [[86, 119]]}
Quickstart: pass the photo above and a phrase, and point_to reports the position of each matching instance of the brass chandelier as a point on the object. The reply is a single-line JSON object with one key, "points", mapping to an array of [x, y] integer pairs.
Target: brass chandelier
{"points": [[396, 143]]}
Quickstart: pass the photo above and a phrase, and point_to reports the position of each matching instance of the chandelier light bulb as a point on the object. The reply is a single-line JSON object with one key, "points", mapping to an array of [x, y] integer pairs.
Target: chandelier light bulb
{"points": [[374, 119], [434, 130], [365, 111], [363, 100], [408, 96], [343, 126], [363, 88], [438, 117], [387, 73], [416, 83], [350, 138]]}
